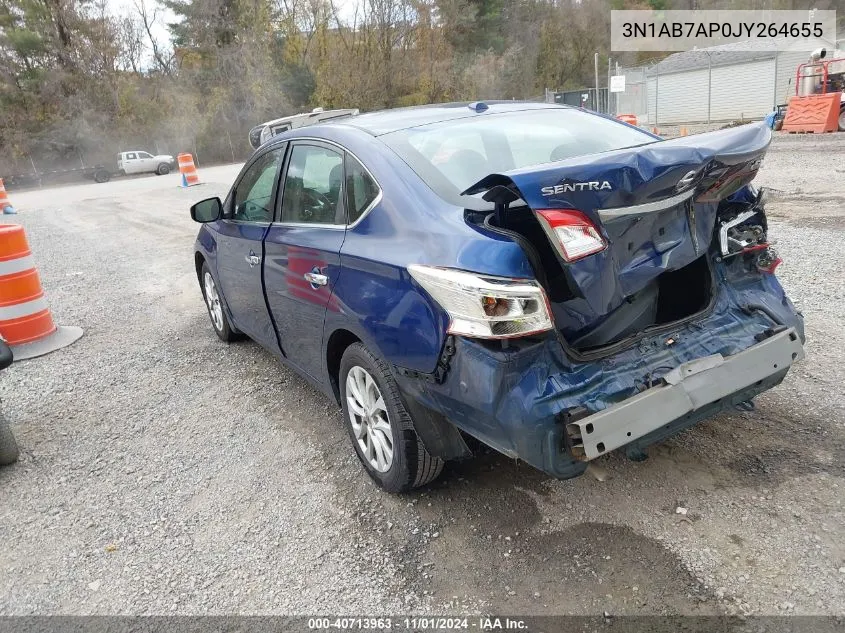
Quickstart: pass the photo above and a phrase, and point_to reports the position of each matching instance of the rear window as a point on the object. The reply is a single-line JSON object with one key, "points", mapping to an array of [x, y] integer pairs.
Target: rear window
{"points": [[452, 155]]}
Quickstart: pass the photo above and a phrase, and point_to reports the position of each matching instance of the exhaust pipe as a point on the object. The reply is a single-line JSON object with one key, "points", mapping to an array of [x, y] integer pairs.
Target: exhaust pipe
{"points": [[818, 54], [811, 81]]}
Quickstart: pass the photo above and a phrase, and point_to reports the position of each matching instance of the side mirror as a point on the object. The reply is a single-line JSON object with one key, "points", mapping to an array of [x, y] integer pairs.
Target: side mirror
{"points": [[207, 210]]}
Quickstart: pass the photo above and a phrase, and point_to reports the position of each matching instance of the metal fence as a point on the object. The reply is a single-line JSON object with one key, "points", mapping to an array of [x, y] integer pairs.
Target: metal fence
{"points": [[703, 87], [635, 98]]}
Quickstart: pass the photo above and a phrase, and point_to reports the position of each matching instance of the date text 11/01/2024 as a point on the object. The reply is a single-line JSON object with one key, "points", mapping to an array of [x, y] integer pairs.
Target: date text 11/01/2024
{"points": [[417, 623]]}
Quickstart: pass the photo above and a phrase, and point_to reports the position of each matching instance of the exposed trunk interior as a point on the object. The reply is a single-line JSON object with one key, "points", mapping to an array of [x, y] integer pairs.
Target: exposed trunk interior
{"points": [[670, 297]]}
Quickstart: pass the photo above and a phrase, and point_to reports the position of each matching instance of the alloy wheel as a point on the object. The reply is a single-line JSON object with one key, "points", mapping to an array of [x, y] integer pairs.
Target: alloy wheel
{"points": [[369, 419], [213, 301]]}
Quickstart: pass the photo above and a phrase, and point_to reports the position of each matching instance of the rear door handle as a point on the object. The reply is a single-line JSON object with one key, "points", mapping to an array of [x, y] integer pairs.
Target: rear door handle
{"points": [[316, 279]]}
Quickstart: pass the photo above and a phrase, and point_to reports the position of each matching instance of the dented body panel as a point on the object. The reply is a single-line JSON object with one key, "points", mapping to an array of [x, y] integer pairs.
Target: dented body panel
{"points": [[538, 385], [656, 205]]}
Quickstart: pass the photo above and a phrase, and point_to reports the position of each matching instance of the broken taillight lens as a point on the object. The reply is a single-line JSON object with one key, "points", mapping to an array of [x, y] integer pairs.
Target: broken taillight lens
{"points": [[571, 232]]}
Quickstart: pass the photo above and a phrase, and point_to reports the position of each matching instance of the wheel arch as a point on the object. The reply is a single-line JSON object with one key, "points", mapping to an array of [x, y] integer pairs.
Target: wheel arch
{"points": [[199, 260], [336, 345]]}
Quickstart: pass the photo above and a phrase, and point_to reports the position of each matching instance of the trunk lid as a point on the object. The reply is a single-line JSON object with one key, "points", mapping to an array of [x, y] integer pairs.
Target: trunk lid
{"points": [[654, 205]]}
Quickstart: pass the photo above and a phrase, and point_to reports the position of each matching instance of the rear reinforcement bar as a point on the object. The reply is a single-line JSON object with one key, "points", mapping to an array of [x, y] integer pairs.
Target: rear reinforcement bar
{"points": [[685, 389]]}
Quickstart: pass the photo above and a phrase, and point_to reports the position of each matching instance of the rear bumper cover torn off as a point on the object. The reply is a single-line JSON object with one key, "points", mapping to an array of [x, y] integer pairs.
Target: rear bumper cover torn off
{"points": [[687, 388]]}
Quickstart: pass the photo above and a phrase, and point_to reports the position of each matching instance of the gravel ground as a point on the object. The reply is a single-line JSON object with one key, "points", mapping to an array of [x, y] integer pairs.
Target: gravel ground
{"points": [[165, 472]]}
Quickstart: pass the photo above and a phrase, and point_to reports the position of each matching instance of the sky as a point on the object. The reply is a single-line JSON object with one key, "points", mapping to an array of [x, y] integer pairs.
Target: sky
{"points": [[122, 7], [163, 16]]}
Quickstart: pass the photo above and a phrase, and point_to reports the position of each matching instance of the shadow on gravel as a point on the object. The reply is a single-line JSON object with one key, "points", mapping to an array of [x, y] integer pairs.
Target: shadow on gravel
{"points": [[587, 568], [780, 447]]}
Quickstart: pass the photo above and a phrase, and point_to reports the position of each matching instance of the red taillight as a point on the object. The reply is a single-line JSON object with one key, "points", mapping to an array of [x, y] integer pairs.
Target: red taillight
{"points": [[572, 233]]}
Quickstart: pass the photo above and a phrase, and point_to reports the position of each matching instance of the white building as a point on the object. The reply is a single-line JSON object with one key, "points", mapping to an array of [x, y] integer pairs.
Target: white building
{"points": [[740, 81]]}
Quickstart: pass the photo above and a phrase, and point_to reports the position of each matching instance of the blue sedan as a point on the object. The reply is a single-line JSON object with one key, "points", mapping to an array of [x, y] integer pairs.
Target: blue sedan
{"points": [[552, 282]]}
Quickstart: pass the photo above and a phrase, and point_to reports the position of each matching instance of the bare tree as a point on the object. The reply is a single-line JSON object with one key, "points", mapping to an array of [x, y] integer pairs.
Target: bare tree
{"points": [[131, 34], [163, 60]]}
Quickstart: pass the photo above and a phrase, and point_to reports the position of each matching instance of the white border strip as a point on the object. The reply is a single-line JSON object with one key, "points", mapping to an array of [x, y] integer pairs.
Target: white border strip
{"points": [[19, 310], [18, 265]]}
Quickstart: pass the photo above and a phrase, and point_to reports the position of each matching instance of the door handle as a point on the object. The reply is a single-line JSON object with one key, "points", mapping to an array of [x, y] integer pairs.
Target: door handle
{"points": [[316, 279], [252, 259]]}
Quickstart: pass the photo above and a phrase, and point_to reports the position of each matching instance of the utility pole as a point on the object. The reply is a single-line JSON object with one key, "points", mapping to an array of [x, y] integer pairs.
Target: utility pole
{"points": [[596, 59]]}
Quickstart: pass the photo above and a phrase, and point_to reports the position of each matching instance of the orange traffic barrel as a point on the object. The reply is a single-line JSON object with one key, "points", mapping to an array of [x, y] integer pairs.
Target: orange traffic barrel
{"points": [[25, 320], [189, 173], [628, 118], [5, 206]]}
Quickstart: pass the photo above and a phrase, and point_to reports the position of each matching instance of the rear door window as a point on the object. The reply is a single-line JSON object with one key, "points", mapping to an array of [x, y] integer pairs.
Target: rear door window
{"points": [[361, 189]]}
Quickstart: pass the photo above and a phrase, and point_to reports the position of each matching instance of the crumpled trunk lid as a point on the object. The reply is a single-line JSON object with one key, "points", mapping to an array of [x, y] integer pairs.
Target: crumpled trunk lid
{"points": [[655, 205]]}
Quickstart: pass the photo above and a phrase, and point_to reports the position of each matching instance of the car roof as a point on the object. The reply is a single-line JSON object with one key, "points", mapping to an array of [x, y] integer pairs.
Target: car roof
{"points": [[310, 115], [386, 121]]}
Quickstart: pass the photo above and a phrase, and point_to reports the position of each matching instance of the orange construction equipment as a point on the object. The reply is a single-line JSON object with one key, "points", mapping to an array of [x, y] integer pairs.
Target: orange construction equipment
{"points": [[25, 320], [5, 206], [628, 118], [189, 173], [813, 113]]}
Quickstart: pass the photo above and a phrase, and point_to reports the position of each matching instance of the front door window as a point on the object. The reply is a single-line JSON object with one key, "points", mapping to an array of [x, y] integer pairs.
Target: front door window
{"points": [[253, 194]]}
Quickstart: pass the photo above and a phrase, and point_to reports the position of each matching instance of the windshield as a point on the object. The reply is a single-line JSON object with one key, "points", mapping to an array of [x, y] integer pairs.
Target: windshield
{"points": [[452, 155]]}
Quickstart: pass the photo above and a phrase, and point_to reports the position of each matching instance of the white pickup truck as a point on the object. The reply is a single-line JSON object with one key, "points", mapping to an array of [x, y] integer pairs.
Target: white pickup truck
{"points": [[138, 162]]}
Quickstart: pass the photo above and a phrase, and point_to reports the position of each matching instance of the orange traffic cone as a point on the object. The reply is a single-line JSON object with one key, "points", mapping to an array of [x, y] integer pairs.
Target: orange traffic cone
{"points": [[25, 320], [5, 206], [684, 131], [189, 173]]}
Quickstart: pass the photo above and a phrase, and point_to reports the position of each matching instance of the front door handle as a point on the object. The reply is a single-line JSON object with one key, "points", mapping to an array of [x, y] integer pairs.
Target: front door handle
{"points": [[316, 279], [252, 259]]}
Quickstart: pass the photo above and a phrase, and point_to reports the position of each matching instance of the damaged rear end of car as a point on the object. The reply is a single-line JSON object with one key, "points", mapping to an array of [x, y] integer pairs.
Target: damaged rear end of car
{"points": [[653, 306]]}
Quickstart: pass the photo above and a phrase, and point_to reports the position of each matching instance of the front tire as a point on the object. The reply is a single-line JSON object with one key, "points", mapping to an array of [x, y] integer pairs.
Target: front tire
{"points": [[214, 303], [8, 446], [380, 428], [163, 169], [842, 120]]}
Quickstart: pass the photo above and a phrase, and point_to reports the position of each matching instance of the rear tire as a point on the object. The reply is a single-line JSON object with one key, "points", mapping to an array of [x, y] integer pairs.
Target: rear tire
{"points": [[380, 428], [842, 120], [214, 304], [8, 446]]}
